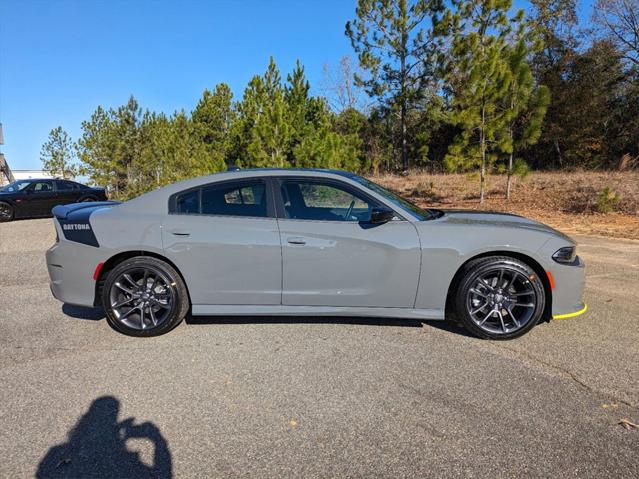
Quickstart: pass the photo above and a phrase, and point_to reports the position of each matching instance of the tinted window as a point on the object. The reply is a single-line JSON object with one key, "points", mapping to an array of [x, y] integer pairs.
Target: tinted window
{"points": [[16, 185], [316, 200], [422, 214], [41, 186], [188, 202], [235, 199], [65, 185]]}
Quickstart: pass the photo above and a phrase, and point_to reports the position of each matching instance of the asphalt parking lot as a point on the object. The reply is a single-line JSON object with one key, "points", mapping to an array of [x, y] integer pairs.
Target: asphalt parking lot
{"points": [[315, 398]]}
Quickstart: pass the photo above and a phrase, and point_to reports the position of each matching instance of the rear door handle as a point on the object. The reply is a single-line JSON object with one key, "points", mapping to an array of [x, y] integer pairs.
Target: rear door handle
{"points": [[296, 240], [180, 232]]}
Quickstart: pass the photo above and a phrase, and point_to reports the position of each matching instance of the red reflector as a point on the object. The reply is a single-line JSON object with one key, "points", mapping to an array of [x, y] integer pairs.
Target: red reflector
{"points": [[98, 268], [551, 280]]}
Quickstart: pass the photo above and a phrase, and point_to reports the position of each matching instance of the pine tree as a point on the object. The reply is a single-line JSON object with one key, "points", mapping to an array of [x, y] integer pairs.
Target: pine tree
{"points": [[110, 144], [213, 118], [555, 22], [58, 154], [262, 135], [478, 77], [526, 103], [127, 119], [296, 95], [96, 150], [394, 43]]}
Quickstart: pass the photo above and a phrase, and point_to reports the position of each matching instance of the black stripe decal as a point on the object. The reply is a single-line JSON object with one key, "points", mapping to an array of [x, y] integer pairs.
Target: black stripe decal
{"points": [[76, 227]]}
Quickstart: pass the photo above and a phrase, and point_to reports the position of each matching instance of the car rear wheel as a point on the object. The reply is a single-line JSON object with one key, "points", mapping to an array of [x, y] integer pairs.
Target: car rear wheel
{"points": [[144, 296], [6, 211], [498, 298]]}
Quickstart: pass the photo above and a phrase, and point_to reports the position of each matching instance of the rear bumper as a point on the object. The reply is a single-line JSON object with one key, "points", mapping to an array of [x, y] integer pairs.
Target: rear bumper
{"points": [[71, 267]]}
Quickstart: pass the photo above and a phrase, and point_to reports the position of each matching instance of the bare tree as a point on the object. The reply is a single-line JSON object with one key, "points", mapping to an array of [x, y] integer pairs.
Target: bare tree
{"points": [[620, 21], [338, 86]]}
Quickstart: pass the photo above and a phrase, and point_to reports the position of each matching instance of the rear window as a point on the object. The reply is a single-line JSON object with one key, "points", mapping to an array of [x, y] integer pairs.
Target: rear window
{"points": [[246, 198]]}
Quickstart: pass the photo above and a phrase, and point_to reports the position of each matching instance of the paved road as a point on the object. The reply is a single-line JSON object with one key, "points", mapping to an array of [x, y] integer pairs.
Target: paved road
{"points": [[315, 398]]}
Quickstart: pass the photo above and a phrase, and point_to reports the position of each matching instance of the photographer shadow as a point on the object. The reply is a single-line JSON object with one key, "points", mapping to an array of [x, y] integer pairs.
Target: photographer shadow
{"points": [[96, 447], [83, 312]]}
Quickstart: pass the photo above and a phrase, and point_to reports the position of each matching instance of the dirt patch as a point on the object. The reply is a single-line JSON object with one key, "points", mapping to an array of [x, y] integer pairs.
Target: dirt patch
{"points": [[567, 201]]}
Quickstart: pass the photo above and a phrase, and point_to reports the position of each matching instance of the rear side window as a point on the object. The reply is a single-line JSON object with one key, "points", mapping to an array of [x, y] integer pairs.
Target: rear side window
{"points": [[188, 202], [246, 198], [65, 185], [239, 199]]}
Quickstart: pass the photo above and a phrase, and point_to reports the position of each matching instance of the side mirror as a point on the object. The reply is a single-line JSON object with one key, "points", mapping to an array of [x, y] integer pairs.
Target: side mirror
{"points": [[381, 215]]}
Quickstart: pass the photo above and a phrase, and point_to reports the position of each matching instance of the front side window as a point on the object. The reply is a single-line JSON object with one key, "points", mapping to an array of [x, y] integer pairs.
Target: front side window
{"points": [[246, 198], [324, 201], [41, 186], [403, 203]]}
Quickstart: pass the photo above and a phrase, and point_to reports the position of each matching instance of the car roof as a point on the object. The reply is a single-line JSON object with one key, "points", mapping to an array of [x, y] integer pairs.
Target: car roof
{"points": [[290, 171], [153, 199]]}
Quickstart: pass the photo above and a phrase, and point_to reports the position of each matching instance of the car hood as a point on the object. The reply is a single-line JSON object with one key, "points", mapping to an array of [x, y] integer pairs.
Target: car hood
{"points": [[496, 219]]}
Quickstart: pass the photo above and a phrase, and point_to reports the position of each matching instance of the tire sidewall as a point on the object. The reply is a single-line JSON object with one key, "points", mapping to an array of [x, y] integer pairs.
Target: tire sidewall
{"points": [[480, 267], [13, 212], [176, 314]]}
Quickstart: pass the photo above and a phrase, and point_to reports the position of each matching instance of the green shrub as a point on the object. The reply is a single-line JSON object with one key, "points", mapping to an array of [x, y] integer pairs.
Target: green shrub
{"points": [[607, 201]]}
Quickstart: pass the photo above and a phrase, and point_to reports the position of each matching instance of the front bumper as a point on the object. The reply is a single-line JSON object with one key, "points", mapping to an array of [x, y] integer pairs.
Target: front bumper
{"points": [[579, 312], [567, 297]]}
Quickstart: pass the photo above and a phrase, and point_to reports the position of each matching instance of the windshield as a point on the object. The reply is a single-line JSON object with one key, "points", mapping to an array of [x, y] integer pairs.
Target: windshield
{"points": [[16, 185], [421, 213]]}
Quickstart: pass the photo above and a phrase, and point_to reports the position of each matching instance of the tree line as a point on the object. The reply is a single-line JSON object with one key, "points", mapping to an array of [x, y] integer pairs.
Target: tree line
{"points": [[459, 86]]}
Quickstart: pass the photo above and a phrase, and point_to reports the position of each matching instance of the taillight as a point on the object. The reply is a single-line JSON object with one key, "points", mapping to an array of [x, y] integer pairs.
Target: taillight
{"points": [[96, 273]]}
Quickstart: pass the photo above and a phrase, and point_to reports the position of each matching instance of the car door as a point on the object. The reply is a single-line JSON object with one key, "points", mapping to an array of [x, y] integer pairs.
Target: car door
{"points": [[39, 198], [333, 256], [67, 192], [224, 239]]}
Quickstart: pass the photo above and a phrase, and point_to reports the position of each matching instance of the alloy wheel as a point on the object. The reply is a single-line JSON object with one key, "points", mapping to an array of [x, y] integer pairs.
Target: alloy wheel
{"points": [[5, 211], [501, 301], [142, 298]]}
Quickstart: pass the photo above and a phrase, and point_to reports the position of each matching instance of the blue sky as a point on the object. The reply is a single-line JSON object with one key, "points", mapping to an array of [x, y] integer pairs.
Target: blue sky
{"points": [[60, 59]]}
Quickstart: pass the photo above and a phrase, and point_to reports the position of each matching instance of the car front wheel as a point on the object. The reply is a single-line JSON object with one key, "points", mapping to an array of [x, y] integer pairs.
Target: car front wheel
{"points": [[498, 298], [144, 296]]}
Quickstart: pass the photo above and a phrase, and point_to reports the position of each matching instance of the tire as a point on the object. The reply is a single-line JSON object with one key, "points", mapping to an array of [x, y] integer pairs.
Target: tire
{"points": [[144, 296], [498, 297], [6, 212], [87, 199]]}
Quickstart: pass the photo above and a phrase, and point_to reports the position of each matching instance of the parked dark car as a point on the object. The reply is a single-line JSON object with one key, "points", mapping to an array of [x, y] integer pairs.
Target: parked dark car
{"points": [[36, 198]]}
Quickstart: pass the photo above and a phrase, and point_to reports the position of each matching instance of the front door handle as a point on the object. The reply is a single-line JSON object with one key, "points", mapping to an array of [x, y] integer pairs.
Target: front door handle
{"points": [[180, 232], [296, 240]]}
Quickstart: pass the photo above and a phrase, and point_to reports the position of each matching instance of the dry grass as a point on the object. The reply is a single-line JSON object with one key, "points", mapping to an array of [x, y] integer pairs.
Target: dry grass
{"points": [[568, 201]]}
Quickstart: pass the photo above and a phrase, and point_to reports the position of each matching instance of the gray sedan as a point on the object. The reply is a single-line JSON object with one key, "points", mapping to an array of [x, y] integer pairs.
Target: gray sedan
{"points": [[308, 243]]}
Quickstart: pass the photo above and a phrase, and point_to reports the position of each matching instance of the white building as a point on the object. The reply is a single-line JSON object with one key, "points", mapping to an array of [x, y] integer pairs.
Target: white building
{"points": [[30, 174]]}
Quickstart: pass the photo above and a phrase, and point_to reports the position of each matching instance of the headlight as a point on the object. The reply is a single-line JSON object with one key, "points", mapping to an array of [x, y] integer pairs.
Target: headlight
{"points": [[565, 255]]}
